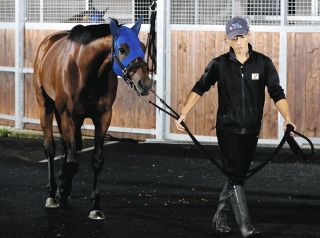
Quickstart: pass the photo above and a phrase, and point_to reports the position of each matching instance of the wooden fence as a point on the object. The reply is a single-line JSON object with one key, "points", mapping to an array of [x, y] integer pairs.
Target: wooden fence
{"points": [[190, 53]]}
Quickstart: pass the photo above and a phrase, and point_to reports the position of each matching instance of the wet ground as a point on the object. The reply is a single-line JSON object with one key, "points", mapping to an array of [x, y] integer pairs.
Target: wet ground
{"points": [[154, 190]]}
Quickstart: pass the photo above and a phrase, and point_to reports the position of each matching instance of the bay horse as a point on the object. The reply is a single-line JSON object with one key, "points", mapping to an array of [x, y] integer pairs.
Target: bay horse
{"points": [[75, 77]]}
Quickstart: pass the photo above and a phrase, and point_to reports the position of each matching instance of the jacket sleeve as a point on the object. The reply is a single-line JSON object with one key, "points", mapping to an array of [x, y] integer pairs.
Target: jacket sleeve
{"points": [[273, 82], [208, 78]]}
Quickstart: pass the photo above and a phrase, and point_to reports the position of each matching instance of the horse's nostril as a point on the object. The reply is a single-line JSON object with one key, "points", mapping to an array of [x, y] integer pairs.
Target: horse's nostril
{"points": [[140, 84]]}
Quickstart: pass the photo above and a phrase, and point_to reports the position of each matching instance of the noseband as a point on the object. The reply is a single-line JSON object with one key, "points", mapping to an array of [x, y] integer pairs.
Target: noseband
{"points": [[125, 70]]}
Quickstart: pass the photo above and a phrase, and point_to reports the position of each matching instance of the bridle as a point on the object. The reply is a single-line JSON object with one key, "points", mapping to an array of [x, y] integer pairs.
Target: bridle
{"points": [[126, 70]]}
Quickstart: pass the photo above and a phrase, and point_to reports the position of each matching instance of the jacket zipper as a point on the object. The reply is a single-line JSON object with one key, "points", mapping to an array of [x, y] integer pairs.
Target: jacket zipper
{"points": [[242, 85]]}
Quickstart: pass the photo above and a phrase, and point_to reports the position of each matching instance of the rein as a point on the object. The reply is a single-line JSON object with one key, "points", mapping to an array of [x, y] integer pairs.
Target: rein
{"points": [[286, 138]]}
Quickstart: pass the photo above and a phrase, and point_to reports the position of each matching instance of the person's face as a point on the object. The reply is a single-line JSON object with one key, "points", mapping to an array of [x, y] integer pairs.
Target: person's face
{"points": [[239, 43]]}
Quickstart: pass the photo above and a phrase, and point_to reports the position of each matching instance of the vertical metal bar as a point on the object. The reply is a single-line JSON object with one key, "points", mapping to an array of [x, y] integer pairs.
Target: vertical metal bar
{"points": [[283, 58], [196, 12], [87, 5], [314, 7], [161, 29], [236, 7], [233, 8], [41, 10], [133, 12], [19, 62], [167, 82]]}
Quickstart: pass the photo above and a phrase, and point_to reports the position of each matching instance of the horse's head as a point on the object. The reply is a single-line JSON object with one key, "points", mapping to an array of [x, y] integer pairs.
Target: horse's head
{"points": [[128, 57]]}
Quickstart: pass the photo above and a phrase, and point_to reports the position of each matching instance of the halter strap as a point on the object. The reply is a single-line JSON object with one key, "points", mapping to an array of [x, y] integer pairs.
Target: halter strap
{"points": [[125, 70]]}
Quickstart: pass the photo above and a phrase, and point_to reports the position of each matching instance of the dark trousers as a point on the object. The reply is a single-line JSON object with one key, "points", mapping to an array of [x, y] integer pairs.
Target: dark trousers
{"points": [[237, 154]]}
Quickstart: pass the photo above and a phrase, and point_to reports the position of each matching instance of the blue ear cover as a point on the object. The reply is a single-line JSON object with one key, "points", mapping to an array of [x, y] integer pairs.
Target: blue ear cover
{"points": [[128, 36], [137, 25], [114, 28]]}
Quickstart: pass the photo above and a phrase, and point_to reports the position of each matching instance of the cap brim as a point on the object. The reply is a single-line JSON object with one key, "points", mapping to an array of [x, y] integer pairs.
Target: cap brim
{"points": [[238, 32]]}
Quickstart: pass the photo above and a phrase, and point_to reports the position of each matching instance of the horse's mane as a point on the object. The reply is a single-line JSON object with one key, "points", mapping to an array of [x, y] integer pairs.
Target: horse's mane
{"points": [[86, 34]]}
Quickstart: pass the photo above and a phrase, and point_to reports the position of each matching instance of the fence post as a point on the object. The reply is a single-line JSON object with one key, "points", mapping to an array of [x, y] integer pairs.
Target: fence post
{"points": [[283, 58], [19, 62], [161, 29]]}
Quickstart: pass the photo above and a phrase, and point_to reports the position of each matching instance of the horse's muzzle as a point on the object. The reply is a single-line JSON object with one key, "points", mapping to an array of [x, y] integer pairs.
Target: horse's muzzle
{"points": [[144, 86]]}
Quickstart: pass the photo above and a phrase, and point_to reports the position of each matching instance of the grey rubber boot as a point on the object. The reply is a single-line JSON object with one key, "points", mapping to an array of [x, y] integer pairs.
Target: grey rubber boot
{"points": [[240, 210], [219, 222]]}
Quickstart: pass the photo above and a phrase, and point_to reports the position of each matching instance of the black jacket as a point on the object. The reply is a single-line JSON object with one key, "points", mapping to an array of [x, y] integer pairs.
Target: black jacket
{"points": [[241, 89]]}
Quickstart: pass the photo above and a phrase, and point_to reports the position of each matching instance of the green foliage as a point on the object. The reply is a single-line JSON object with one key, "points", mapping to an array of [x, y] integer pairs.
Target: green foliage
{"points": [[4, 132]]}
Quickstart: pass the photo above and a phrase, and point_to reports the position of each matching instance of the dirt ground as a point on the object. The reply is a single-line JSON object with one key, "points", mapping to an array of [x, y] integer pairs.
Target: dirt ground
{"points": [[154, 190]]}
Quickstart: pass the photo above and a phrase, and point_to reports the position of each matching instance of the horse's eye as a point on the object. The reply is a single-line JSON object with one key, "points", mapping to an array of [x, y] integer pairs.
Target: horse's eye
{"points": [[122, 51]]}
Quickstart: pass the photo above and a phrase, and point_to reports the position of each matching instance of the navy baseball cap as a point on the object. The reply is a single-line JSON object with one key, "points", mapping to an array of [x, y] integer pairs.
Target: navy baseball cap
{"points": [[236, 26]]}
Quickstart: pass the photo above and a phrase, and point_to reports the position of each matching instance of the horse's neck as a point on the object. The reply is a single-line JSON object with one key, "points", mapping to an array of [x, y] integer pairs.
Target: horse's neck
{"points": [[96, 53], [96, 48]]}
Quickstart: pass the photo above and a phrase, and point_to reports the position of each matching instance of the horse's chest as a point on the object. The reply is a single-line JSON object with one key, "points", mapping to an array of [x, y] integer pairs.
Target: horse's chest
{"points": [[91, 105]]}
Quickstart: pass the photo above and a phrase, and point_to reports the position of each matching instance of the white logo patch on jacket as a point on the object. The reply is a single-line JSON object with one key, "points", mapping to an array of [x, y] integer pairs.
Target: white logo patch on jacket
{"points": [[255, 76]]}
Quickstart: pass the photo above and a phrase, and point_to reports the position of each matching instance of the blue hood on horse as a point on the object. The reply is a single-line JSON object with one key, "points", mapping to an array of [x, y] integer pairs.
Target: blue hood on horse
{"points": [[129, 36]]}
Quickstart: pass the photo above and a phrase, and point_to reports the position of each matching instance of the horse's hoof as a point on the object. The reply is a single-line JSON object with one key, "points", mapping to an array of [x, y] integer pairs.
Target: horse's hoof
{"points": [[96, 215], [51, 203]]}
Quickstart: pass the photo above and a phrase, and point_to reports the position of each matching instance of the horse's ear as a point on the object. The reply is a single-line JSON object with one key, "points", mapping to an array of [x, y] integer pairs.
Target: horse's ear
{"points": [[137, 26], [114, 28]]}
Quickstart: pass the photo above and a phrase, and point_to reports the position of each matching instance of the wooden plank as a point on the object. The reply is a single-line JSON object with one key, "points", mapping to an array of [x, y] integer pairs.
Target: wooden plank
{"points": [[194, 118], [268, 43], [316, 88], [303, 81], [174, 77], [312, 99], [260, 45], [31, 105], [7, 93], [274, 39], [33, 39], [299, 81], [182, 76], [7, 49], [200, 65]]}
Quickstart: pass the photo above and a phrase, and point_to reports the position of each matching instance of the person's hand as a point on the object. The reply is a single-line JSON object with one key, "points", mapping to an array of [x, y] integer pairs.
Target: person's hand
{"points": [[178, 123], [289, 122]]}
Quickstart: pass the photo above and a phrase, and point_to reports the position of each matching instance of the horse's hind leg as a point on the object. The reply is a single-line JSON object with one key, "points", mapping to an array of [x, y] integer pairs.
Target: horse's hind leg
{"points": [[101, 124], [70, 163], [46, 109]]}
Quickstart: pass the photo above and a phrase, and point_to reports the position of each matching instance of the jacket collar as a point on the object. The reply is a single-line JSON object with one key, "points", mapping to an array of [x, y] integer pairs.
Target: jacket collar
{"points": [[232, 55]]}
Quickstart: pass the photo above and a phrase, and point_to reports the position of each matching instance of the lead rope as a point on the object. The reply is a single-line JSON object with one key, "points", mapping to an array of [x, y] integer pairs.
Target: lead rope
{"points": [[151, 41], [176, 116], [286, 138]]}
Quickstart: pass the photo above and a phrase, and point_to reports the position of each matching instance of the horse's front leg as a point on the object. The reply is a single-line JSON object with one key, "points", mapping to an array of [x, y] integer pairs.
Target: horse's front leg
{"points": [[70, 163], [101, 123]]}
